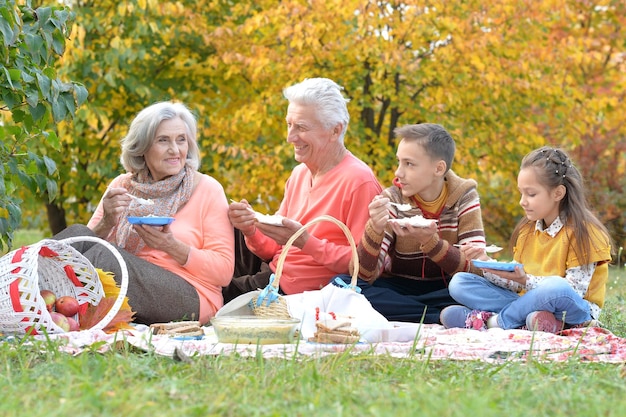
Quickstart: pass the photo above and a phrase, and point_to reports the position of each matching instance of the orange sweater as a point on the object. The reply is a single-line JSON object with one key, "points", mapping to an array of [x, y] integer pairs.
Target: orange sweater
{"points": [[344, 192], [203, 224]]}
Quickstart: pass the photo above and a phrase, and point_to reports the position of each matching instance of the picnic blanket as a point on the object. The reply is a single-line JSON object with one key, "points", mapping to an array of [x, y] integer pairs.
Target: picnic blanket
{"points": [[412, 340]]}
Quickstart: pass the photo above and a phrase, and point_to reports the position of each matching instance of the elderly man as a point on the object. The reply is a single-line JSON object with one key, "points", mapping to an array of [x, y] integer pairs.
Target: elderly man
{"points": [[329, 180]]}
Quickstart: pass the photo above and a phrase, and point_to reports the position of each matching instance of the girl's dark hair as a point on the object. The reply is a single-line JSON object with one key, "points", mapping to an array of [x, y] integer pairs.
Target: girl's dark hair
{"points": [[553, 168]]}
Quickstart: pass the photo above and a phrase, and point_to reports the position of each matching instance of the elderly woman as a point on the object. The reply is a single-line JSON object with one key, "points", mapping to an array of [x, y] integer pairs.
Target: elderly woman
{"points": [[329, 180], [176, 270]]}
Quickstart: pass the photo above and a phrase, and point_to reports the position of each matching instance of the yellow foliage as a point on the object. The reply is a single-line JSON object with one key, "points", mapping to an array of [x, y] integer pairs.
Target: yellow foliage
{"points": [[504, 76], [110, 287]]}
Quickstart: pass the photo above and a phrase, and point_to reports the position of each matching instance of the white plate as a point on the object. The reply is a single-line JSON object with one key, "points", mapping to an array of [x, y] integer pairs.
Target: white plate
{"points": [[415, 221], [271, 219], [493, 249], [151, 220], [499, 266]]}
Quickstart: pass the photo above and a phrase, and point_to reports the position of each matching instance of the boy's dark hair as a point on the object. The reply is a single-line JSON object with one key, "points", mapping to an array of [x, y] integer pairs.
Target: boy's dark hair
{"points": [[434, 138]]}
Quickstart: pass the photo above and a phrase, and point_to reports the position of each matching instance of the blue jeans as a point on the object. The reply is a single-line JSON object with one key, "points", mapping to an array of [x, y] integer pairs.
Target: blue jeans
{"points": [[401, 299], [553, 294]]}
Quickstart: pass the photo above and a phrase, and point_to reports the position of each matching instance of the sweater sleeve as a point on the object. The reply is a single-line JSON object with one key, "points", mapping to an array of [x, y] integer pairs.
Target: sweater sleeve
{"points": [[371, 254], [470, 230]]}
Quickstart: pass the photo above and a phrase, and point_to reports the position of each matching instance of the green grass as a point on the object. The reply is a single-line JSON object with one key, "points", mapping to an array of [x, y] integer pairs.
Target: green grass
{"points": [[37, 380]]}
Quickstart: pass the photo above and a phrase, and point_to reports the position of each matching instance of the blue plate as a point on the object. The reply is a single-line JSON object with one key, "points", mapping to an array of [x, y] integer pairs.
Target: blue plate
{"points": [[150, 220], [500, 266]]}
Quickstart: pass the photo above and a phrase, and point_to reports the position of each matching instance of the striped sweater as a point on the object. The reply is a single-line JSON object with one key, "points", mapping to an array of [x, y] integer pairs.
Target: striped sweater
{"points": [[460, 221]]}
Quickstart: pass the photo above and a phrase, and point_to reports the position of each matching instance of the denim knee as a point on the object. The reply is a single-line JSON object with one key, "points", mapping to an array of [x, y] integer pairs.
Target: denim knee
{"points": [[555, 286], [458, 282]]}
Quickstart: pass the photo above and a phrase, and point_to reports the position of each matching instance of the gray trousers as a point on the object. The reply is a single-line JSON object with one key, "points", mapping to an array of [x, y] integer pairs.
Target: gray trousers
{"points": [[154, 294]]}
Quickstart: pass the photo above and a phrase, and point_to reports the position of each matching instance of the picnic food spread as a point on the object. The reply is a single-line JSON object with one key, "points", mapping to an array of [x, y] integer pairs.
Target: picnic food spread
{"points": [[174, 329], [335, 331]]}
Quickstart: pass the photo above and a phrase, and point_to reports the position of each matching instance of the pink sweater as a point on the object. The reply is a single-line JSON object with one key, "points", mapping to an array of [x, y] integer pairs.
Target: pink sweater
{"points": [[203, 224], [344, 193]]}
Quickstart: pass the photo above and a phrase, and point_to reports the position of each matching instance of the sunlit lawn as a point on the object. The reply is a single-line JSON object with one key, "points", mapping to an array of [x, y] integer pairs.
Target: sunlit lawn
{"points": [[36, 380]]}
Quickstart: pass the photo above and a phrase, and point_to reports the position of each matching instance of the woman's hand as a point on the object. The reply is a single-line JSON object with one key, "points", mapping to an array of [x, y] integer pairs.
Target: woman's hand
{"points": [[114, 203], [162, 238]]}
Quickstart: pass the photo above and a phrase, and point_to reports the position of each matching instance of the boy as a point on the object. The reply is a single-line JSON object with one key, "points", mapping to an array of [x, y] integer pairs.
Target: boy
{"points": [[404, 269]]}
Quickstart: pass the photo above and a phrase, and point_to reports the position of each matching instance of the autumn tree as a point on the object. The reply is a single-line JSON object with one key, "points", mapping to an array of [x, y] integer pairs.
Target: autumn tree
{"points": [[128, 54], [503, 76], [33, 99]]}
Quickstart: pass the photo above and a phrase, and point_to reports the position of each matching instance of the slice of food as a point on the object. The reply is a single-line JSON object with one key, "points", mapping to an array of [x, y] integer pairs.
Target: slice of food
{"points": [[415, 221], [271, 219]]}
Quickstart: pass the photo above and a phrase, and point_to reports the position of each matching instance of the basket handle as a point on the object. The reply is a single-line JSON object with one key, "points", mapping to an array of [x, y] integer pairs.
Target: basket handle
{"points": [[324, 217], [123, 285]]}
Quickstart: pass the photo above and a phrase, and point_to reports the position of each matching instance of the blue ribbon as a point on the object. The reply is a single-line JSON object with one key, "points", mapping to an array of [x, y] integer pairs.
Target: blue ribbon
{"points": [[341, 283], [269, 294]]}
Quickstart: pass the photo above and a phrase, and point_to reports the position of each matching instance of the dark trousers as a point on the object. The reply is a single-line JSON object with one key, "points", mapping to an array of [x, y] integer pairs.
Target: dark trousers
{"points": [[401, 299], [154, 294], [251, 272]]}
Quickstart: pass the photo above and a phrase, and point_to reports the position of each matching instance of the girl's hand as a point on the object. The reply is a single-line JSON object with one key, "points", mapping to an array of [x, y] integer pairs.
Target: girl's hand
{"points": [[519, 275]]}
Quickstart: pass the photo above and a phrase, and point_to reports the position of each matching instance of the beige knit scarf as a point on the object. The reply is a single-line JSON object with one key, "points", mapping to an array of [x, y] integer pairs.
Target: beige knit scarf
{"points": [[168, 196]]}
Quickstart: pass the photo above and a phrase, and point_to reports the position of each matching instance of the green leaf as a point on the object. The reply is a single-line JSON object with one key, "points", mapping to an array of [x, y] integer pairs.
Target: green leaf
{"points": [[45, 86], [52, 188], [38, 111], [43, 15], [7, 74], [59, 110], [81, 93], [51, 166], [8, 35]]}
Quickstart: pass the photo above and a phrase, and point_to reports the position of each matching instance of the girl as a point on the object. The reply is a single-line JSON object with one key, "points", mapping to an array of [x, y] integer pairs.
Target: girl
{"points": [[564, 250]]}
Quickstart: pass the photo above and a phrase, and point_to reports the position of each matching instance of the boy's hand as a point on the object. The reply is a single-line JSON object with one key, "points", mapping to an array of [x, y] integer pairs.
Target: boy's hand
{"points": [[474, 252], [379, 213], [422, 234]]}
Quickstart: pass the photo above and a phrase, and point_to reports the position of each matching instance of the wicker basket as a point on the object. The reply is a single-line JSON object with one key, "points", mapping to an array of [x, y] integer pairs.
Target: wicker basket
{"points": [[56, 266], [277, 306]]}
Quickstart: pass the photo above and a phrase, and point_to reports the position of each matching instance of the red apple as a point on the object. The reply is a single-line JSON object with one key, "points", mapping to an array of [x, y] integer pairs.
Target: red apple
{"points": [[74, 326], [66, 305], [49, 298], [60, 320]]}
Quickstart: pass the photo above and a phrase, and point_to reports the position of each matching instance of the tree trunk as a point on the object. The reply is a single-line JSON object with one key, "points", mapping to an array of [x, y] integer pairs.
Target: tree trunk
{"points": [[56, 218]]}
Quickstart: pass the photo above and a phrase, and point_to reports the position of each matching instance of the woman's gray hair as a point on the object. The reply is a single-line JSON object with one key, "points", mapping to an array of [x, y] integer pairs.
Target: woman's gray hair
{"points": [[143, 130], [325, 95]]}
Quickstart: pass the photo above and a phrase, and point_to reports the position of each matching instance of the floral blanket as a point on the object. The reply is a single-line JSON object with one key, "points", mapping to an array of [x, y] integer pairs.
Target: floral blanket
{"points": [[426, 342]]}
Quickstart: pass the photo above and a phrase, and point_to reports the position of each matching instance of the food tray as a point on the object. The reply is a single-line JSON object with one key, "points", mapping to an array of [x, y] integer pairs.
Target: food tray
{"points": [[254, 330]]}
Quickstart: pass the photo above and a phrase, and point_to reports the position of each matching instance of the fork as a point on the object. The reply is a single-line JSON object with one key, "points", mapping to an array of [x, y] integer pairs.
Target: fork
{"points": [[142, 201], [401, 207], [247, 208]]}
